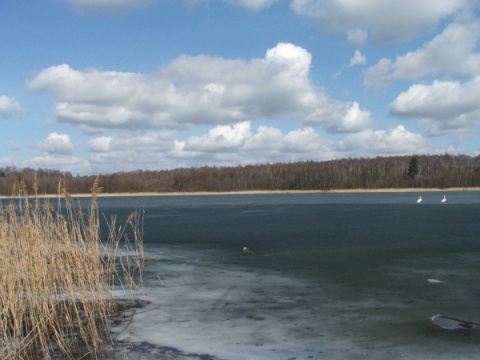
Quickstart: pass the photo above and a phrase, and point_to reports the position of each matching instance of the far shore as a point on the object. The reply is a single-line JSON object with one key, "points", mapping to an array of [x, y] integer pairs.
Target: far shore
{"points": [[254, 192]]}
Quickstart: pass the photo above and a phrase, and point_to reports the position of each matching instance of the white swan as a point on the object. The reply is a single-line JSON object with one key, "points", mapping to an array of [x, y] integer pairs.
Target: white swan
{"points": [[419, 200], [444, 198]]}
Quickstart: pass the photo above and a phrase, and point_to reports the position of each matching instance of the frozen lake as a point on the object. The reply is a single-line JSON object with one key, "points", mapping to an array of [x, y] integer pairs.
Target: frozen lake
{"points": [[332, 276]]}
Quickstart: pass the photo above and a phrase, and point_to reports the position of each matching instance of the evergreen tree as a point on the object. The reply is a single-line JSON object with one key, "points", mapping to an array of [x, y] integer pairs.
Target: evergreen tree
{"points": [[413, 167], [413, 170]]}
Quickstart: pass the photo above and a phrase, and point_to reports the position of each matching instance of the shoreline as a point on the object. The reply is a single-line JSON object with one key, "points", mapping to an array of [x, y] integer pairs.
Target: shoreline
{"points": [[259, 192]]}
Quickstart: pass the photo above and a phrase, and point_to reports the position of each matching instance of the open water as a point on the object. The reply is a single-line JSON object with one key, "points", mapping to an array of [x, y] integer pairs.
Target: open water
{"points": [[330, 276]]}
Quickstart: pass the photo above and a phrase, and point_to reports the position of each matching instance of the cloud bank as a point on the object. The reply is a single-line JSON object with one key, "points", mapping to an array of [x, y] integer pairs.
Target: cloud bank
{"points": [[198, 90], [135, 120]]}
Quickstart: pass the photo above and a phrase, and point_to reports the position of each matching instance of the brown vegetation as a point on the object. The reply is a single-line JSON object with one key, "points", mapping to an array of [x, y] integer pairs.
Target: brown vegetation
{"points": [[396, 172], [57, 276]]}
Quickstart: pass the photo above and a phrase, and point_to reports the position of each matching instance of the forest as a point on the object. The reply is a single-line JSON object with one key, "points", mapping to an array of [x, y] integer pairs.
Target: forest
{"points": [[395, 172]]}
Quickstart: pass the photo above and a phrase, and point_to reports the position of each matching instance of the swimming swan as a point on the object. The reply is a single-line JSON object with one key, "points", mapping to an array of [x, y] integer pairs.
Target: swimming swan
{"points": [[419, 200], [444, 198]]}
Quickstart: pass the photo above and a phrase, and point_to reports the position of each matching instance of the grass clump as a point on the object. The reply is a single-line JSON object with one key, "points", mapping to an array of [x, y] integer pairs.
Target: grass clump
{"points": [[58, 274]]}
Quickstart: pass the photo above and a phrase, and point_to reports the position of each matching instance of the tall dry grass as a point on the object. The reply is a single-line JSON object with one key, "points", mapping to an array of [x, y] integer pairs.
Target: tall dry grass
{"points": [[58, 274]]}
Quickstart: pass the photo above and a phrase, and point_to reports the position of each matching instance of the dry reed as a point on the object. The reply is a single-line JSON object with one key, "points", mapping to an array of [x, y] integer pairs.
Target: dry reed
{"points": [[58, 275]]}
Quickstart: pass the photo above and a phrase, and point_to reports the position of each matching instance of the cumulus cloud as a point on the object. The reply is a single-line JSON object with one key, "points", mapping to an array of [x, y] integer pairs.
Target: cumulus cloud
{"points": [[338, 117], [56, 144], [198, 90], [445, 52], [396, 140], [220, 138], [452, 51], [241, 144], [134, 150], [240, 140], [444, 105], [139, 141], [73, 164], [9, 107], [236, 144], [100, 143], [382, 20]]}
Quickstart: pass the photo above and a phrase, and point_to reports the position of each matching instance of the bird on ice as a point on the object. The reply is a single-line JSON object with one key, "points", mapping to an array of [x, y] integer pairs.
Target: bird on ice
{"points": [[419, 200], [247, 250]]}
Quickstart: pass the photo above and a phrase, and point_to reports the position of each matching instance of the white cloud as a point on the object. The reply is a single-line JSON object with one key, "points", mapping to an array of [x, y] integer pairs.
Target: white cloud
{"points": [[357, 59], [86, 5], [383, 20], [271, 145], [252, 4], [441, 99], [141, 142], [451, 51], [9, 107], [469, 68], [339, 117], [357, 36], [446, 106], [100, 143], [377, 73], [73, 164], [57, 144], [240, 144], [445, 52], [396, 140], [291, 59], [223, 145], [134, 150], [220, 138], [194, 90]]}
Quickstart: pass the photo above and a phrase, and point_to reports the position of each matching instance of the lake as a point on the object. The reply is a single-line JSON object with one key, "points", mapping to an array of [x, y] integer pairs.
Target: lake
{"points": [[328, 276]]}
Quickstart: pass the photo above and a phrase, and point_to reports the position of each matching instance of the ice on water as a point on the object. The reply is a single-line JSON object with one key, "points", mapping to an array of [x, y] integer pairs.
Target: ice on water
{"points": [[207, 308], [205, 305], [311, 289]]}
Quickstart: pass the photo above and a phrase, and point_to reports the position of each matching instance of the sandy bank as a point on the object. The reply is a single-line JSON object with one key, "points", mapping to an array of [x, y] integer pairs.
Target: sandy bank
{"points": [[203, 193]]}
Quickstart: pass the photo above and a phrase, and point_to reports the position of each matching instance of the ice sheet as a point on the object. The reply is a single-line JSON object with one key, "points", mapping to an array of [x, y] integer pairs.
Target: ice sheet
{"points": [[201, 303]]}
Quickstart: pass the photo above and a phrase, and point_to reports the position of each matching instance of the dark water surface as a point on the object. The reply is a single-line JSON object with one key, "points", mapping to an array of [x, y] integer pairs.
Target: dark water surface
{"points": [[332, 276]]}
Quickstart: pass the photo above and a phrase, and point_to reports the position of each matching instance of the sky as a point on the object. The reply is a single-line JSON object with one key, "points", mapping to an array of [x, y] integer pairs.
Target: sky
{"points": [[102, 86]]}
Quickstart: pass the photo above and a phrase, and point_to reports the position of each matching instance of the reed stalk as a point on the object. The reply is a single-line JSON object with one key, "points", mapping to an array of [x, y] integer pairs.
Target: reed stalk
{"points": [[58, 274]]}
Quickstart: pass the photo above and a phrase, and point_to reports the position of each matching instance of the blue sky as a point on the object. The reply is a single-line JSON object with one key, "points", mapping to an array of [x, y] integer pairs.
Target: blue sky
{"points": [[99, 86]]}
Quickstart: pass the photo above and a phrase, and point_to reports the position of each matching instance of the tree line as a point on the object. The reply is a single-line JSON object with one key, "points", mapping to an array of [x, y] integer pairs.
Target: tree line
{"points": [[423, 171]]}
